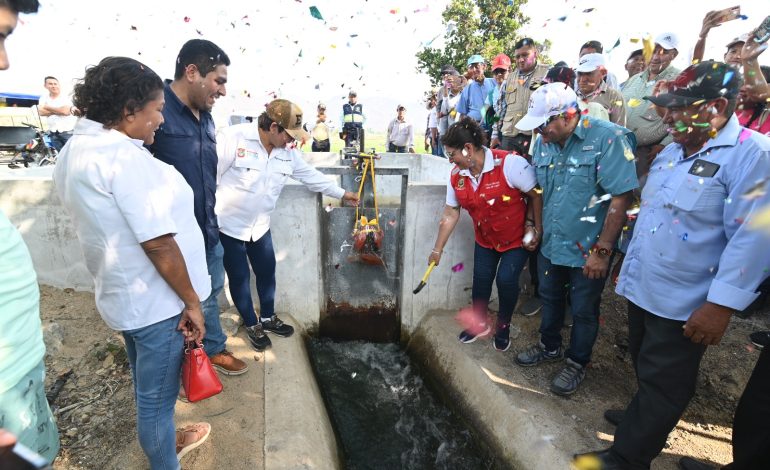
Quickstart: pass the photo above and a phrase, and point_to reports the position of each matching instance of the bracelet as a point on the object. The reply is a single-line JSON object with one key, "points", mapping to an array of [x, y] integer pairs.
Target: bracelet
{"points": [[437, 252]]}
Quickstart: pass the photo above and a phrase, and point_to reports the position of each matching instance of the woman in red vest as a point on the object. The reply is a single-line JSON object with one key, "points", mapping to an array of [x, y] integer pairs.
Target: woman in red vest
{"points": [[491, 186]]}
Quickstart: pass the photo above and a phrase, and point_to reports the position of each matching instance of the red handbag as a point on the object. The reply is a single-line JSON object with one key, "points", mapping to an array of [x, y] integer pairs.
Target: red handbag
{"points": [[199, 379]]}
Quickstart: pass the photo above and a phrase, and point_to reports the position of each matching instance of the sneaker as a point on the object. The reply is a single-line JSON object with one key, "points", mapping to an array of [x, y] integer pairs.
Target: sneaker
{"points": [[468, 337], [502, 341], [614, 417], [760, 339], [228, 364], [531, 307], [190, 437], [689, 463], [566, 383], [277, 327], [536, 354], [258, 338]]}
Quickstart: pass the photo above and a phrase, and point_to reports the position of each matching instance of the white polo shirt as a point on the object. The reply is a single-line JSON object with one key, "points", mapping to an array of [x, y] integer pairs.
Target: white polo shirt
{"points": [[249, 181], [120, 196]]}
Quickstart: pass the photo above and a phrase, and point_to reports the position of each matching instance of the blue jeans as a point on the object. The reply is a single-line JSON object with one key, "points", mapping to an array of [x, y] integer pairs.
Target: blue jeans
{"points": [[260, 254], [505, 267], [584, 295], [155, 354], [214, 342]]}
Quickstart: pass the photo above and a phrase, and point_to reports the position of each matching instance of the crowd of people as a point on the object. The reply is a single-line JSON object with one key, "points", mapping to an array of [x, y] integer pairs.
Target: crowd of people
{"points": [[548, 162]]}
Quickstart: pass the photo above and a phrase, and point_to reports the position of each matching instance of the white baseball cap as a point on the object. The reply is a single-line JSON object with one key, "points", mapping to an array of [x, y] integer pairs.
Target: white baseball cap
{"points": [[549, 100], [667, 41], [590, 62]]}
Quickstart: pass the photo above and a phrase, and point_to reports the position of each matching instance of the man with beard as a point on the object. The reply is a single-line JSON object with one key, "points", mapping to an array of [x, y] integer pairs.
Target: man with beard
{"points": [[474, 95], [187, 141]]}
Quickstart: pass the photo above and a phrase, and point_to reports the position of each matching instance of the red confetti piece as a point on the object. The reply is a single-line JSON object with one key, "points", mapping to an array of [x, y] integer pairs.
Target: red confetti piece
{"points": [[471, 321], [458, 267], [186, 19]]}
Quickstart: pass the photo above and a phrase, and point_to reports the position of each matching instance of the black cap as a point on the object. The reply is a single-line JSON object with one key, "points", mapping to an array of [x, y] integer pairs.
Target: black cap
{"points": [[703, 81], [560, 74], [449, 69], [524, 42]]}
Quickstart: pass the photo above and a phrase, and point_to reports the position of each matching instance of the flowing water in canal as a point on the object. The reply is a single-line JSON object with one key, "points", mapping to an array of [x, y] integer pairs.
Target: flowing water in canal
{"points": [[384, 415]]}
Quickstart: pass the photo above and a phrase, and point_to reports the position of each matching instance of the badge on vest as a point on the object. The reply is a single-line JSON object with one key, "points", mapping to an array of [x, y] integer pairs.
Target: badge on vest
{"points": [[240, 153], [588, 148], [461, 183]]}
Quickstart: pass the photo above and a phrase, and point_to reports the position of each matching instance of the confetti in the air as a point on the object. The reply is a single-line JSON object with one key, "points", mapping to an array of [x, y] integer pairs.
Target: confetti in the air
{"points": [[458, 267]]}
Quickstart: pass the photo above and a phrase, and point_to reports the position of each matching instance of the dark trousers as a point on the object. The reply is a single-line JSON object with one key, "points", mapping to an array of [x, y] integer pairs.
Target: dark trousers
{"points": [[518, 143], [395, 148], [321, 145], [666, 364], [238, 255], [556, 282], [58, 139], [490, 265], [751, 426]]}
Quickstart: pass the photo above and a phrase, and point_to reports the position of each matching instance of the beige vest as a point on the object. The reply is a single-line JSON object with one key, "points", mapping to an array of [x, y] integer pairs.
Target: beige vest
{"points": [[516, 97]]}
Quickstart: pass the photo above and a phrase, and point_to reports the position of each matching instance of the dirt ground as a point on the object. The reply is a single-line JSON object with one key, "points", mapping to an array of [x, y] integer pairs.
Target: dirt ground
{"points": [[95, 408], [96, 414]]}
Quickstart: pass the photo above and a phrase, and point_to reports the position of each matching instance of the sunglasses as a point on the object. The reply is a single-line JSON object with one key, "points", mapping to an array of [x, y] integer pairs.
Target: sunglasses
{"points": [[542, 126]]}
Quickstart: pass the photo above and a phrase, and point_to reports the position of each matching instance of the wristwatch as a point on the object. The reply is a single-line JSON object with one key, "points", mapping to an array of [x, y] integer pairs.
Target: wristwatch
{"points": [[603, 252]]}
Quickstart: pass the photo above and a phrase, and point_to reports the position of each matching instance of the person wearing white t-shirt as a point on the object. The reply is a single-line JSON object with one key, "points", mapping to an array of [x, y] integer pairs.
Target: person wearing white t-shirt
{"points": [[58, 108], [255, 161], [134, 218], [492, 185], [400, 133]]}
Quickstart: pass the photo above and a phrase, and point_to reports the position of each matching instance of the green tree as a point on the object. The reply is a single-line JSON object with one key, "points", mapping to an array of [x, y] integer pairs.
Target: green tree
{"points": [[486, 27]]}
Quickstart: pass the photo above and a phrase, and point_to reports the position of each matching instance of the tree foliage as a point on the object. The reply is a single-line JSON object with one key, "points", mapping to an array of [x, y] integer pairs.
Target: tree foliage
{"points": [[486, 27]]}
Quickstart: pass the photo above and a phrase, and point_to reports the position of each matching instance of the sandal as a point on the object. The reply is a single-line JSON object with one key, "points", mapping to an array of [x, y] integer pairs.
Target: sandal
{"points": [[191, 437]]}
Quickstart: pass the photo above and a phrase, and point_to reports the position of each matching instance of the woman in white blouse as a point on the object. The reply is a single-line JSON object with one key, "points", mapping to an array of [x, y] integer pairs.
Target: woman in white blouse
{"points": [[133, 215]]}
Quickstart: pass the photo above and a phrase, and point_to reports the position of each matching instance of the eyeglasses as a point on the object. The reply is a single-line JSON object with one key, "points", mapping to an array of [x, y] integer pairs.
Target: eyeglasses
{"points": [[499, 72], [542, 126]]}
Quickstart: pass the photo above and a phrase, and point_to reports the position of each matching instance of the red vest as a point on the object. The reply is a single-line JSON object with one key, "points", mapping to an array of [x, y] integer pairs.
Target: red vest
{"points": [[497, 210]]}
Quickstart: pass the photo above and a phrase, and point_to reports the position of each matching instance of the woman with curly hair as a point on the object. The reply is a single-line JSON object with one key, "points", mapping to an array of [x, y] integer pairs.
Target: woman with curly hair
{"points": [[493, 187], [134, 218]]}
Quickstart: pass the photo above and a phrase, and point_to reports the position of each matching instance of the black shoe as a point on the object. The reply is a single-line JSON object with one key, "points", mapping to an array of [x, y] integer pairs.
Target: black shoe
{"points": [[258, 338], [277, 327], [688, 463], [600, 460], [760, 339], [614, 417]]}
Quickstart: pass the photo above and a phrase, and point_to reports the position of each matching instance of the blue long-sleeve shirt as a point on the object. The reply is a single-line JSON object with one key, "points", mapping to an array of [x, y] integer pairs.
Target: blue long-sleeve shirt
{"points": [[190, 145], [473, 97], [692, 241]]}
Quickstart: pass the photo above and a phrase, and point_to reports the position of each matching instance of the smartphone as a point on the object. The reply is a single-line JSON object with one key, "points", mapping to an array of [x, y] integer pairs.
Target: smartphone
{"points": [[762, 34], [22, 457], [729, 14]]}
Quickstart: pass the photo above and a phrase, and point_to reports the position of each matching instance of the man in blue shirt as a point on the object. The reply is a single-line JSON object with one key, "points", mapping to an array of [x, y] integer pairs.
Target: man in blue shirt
{"points": [[187, 140], [474, 95], [694, 259], [586, 170]]}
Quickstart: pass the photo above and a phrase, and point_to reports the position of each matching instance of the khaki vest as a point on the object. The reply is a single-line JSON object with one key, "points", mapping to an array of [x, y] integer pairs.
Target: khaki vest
{"points": [[517, 99]]}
